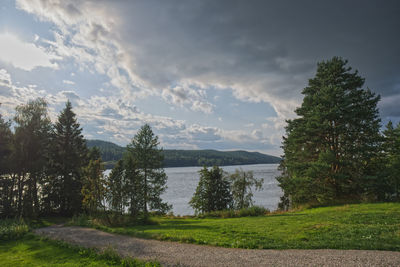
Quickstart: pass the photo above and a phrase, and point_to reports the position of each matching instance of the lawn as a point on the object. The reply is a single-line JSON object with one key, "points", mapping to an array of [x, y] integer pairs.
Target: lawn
{"points": [[358, 226], [19, 247]]}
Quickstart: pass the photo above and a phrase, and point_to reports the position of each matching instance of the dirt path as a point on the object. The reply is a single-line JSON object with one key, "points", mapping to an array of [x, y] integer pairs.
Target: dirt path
{"points": [[172, 253]]}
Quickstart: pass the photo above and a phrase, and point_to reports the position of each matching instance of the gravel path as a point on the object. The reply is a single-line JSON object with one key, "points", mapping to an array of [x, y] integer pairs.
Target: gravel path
{"points": [[173, 254]]}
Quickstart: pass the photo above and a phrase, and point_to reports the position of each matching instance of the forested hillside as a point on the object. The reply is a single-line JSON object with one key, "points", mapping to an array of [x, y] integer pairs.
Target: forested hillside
{"points": [[184, 158]]}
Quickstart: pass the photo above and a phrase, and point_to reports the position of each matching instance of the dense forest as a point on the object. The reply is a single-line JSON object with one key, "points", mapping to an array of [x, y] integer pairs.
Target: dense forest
{"points": [[110, 153]]}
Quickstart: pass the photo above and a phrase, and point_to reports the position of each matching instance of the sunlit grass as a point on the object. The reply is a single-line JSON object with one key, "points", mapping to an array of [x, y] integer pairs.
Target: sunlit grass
{"points": [[31, 250], [358, 226]]}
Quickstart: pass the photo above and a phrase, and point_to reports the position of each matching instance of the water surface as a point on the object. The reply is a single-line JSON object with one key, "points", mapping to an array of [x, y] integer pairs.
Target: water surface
{"points": [[182, 183]]}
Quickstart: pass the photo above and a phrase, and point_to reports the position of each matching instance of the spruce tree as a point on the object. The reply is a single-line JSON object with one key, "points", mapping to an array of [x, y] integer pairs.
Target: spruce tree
{"points": [[329, 147], [69, 156]]}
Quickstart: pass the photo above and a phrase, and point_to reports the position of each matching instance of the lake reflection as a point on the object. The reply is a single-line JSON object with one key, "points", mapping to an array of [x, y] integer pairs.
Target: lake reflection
{"points": [[182, 182]]}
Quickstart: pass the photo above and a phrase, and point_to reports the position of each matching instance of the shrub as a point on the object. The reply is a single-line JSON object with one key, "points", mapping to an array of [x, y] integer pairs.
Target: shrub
{"points": [[11, 229], [251, 211]]}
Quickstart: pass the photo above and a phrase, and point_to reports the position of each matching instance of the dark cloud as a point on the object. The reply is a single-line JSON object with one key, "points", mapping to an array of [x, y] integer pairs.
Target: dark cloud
{"points": [[270, 45]]}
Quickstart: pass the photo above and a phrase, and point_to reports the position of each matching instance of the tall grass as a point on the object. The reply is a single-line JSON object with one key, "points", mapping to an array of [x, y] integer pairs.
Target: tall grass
{"points": [[11, 229]]}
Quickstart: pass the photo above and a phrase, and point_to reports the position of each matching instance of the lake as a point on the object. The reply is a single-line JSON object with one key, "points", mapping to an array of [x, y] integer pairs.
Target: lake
{"points": [[182, 183]]}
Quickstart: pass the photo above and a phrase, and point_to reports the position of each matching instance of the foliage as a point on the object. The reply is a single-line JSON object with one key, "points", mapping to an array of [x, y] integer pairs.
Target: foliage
{"points": [[212, 192], [12, 229], [241, 188], [330, 148], [94, 187], [29, 159], [245, 212], [144, 156], [390, 175], [69, 156], [111, 153], [116, 194], [359, 226], [35, 251]]}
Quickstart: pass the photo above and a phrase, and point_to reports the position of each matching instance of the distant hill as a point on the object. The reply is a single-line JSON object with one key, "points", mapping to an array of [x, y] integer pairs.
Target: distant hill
{"points": [[111, 153]]}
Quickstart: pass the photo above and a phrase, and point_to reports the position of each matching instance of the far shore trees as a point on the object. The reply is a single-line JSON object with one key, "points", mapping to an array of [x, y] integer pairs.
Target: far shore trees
{"points": [[329, 150]]}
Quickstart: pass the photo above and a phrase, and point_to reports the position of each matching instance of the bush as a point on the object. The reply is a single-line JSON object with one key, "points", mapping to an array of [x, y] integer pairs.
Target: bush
{"points": [[246, 212], [11, 229], [80, 220]]}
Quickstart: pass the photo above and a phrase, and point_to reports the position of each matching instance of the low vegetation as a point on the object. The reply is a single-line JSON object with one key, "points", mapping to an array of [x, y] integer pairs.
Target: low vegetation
{"points": [[31, 250], [19, 247], [357, 226]]}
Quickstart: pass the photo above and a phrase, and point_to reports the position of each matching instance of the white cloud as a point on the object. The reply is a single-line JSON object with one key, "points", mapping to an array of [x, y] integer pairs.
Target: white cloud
{"points": [[26, 56], [68, 82]]}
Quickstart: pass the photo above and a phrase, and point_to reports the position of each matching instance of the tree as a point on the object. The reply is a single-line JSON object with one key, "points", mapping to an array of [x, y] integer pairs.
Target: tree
{"points": [[212, 192], [116, 189], [329, 148], [30, 156], [145, 157], [6, 181], [94, 184], [69, 156], [241, 187], [390, 177]]}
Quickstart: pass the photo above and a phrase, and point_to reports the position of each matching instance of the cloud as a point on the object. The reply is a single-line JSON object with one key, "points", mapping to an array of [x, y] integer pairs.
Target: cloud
{"points": [[68, 82], [182, 51], [26, 56]]}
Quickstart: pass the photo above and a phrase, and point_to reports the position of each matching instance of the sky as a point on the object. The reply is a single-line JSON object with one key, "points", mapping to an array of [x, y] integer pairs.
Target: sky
{"points": [[204, 74]]}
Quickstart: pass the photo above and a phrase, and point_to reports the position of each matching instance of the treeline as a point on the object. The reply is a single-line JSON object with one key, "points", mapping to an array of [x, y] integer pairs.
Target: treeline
{"points": [[46, 168], [41, 164], [334, 151], [111, 153]]}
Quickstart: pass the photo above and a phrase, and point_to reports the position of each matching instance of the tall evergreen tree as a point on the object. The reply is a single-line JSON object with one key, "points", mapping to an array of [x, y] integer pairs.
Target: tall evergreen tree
{"points": [[212, 192], [329, 147], [69, 156], [148, 158]]}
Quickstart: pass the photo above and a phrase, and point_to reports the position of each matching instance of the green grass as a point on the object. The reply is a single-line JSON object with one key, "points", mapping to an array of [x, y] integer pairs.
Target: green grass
{"points": [[32, 250], [358, 226]]}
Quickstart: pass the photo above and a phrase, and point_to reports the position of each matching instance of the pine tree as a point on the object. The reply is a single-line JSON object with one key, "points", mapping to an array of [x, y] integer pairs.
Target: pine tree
{"points": [[148, 158], [241, 186], [329, 148], [69, 156], [212, 192]]}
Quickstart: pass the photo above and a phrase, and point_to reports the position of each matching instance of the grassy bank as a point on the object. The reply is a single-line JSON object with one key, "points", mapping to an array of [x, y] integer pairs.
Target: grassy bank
{"points": [[19, 247], [358, 226]]}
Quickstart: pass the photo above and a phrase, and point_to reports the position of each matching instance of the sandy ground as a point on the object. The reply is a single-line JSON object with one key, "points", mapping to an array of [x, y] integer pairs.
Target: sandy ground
{"points": [[179, 254]]}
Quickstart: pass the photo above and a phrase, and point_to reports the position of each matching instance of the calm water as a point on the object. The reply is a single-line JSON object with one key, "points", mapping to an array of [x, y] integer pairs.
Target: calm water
{"points": [[182, 183]]}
